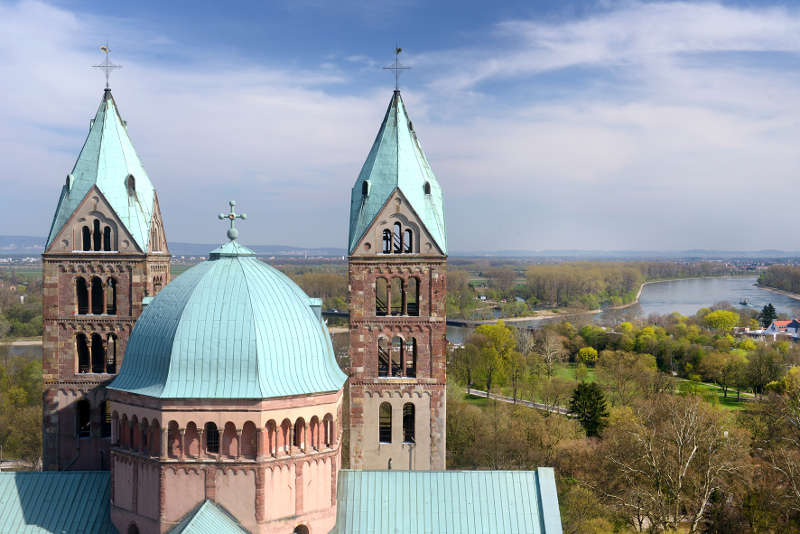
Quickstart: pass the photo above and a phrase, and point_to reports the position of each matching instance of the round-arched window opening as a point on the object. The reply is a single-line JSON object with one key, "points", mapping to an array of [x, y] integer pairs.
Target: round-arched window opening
{"points": [[300, 529], [427, 188], [133, 529]]}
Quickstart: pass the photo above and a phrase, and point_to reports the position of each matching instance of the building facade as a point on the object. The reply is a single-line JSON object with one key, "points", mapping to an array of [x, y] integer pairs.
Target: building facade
{"points": [[106, 251], [397, 285]]}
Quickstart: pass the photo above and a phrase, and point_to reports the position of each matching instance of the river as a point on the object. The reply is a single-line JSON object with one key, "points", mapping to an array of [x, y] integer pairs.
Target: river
{"points": [[682, 296]]}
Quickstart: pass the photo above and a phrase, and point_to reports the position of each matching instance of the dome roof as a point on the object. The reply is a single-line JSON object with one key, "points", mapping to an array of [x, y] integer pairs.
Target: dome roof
{"points": [[230, 327]]}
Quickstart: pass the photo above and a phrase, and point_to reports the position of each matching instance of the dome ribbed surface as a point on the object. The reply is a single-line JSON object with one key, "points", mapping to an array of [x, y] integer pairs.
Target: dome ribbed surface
{"points": [[230, 327]]}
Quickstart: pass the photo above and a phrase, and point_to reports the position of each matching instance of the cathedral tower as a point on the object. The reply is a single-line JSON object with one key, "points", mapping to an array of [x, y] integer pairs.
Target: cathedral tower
{"points": [[105, 253], [397, 275]]}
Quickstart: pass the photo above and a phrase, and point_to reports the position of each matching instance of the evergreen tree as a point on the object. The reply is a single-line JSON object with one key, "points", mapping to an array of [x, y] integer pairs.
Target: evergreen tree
{"points": [[589, 404], [767, 315]]}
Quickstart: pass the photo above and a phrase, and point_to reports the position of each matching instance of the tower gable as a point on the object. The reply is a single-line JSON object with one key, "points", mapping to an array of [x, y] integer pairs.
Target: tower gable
{"points": [[157, 242], [396, 161], [109, 162], [397, 219], [95, 220]]}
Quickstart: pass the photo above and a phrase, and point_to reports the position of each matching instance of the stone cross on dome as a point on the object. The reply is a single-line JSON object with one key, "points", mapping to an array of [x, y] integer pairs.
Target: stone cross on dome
{"points": [[107, 65], [233, 233]]}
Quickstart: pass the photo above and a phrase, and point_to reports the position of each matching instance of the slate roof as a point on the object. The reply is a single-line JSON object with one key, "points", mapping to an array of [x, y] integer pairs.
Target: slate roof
{"points": [[396, 160], [59, 502], [450, 502], [208, 518], [106, 160], [230, 327]]}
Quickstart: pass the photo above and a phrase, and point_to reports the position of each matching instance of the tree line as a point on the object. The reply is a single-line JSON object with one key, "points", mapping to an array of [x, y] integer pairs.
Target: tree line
{"points": [[784, 277], [646, 451]]}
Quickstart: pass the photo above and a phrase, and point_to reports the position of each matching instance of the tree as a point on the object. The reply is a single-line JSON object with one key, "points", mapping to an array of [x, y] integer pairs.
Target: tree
{"points": [[626, 373], [497, 344], [723, 320], [589, 405], [763, 366], [517, 371], [767, 315], [662, 463], [588, 356], [551, 349]]}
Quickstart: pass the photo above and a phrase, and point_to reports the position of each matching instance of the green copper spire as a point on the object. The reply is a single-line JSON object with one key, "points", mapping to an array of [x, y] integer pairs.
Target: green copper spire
{"points": [[109, 161], [396, 161]]}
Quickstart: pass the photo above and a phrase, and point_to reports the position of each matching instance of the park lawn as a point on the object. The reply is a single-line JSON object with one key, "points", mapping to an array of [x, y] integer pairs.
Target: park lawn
{"points": [[480, 402], [567, 370], [714, 394]]}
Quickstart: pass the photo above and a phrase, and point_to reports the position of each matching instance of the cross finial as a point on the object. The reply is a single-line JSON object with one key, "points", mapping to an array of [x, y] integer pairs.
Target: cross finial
{"points": [[107, 65], [233, 233], [397, 67]]}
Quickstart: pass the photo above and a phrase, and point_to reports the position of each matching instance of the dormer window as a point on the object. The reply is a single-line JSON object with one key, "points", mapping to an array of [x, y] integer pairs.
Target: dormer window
{"points": [[427, 188], [365, 188], [130, 184]]}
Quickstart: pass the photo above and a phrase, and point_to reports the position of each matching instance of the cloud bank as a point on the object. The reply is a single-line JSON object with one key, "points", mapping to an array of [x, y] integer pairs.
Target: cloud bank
{"points": [[638, 126]]}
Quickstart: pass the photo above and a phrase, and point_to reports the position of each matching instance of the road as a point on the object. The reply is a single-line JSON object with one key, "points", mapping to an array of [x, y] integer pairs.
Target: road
{"points": [[521, 402]]}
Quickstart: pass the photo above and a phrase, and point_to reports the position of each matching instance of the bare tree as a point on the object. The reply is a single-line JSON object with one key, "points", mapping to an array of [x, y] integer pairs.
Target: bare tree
{"points": [[663, 464], [551, 349]]}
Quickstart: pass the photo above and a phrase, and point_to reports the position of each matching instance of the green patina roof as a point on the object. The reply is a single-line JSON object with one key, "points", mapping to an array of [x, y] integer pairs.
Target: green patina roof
{"points": [[208, 518], [106, 160], [57, 502], [230, 327], [450, 502], [396, 160]]}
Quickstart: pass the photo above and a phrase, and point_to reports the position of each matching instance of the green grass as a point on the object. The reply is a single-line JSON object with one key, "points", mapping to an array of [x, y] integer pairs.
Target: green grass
{"points": [[713, 394], [568, 371], [480, 402]]}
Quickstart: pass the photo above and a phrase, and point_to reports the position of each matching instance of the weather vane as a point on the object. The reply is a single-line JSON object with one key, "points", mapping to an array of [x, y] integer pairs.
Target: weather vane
{"points": [[233, 233], [397, 67], [107, 65]]}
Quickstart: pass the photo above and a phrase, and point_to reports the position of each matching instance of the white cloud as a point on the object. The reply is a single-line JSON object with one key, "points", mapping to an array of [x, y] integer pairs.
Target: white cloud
{"points": [[660, 128]]}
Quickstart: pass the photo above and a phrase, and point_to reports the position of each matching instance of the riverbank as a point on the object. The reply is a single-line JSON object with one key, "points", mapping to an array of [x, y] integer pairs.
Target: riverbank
{"points": [[794, 296], [28, 342]]}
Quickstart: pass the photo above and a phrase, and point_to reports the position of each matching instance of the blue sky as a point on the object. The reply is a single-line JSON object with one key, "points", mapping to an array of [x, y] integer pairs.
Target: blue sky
{"points": [[550, 125]]}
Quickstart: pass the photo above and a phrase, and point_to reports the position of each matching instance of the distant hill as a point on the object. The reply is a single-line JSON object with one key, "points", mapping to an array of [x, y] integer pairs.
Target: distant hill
{"points": [[15, 245]]}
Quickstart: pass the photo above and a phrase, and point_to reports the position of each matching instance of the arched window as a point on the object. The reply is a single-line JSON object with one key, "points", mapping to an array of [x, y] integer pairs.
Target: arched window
{"points": [[249, 446], [86, 237], [212, 438], [230, 441], [84, 359], [98, 354], [381, 297], [365, 188], [111, 296], [144, 436], [83, 419], [397, 238], [156, 284], [397, 297], [192, 439], [133, 529], [385, 423], [111, 354], [411, 358], [97, 296], [105, 418], [427, 188], [284, 441], [313, 431], [412, 296], [397, 356], [97, 236], [135, 437], [82, 296], [300, 434], [408, 241], [408, 423], [383, 357], [327, 423], [300, 529], [107, 238], [387, 241]]}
